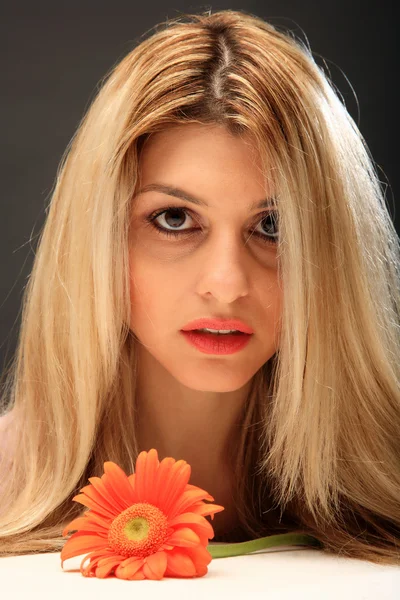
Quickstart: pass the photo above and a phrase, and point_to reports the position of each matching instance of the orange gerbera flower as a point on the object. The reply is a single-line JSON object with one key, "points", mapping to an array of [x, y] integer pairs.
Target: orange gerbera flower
{"points": [[146, 526]]}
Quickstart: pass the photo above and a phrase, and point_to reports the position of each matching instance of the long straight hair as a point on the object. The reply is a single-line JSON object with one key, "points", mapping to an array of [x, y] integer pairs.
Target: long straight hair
{"points": [[319, 451]]}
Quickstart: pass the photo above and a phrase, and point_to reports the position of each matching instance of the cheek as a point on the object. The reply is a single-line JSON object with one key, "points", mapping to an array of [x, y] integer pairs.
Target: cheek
{"points": [[276, 301], [273, 301], [153, 290], [143, 288], [278, 318]]}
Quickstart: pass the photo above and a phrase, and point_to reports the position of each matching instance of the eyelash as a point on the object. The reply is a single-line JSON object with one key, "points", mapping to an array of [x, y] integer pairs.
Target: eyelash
{"points": [[162, 231]]}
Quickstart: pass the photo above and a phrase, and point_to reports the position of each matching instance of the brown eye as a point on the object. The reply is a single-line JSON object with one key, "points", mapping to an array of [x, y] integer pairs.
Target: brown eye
{"points": [[269, 224], [175, 216]]}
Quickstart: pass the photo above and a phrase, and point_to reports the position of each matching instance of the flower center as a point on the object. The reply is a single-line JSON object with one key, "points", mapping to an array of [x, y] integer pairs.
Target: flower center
{"points": [[140, 530]]}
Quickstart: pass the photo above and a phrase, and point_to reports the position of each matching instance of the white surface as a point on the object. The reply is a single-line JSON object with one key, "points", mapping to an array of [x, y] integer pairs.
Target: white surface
{"points": [[284, 573]]}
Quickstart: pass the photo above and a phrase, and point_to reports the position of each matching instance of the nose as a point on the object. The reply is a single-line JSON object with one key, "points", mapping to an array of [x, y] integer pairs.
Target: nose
{"points": [[224, 270]]}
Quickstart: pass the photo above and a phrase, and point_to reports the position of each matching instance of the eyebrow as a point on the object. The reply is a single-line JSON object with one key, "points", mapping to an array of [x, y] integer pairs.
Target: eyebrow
{"points": [[179, 193]]}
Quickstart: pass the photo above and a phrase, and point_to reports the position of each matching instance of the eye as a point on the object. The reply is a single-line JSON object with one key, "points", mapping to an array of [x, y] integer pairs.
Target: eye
{"points": [[174, 216], [269, 221]]}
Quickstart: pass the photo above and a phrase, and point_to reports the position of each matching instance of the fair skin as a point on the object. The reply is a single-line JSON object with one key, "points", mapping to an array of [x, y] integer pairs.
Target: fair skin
{"points": [[189, 403]]}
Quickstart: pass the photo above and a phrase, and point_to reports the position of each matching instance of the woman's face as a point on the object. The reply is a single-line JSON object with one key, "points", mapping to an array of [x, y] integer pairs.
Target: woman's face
{"points": [[223, 269]]}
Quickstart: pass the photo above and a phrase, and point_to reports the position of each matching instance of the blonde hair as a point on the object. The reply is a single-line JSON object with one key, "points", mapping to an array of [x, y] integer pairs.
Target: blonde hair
{"points": [[320, 428]]}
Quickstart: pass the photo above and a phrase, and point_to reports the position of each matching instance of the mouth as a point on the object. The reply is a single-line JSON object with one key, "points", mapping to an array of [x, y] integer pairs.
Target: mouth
{"points": [[225, 326], [216, 342], [217, 333]]}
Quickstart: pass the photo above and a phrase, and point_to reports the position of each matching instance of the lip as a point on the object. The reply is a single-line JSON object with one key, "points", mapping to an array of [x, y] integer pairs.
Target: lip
{"points": [[218, 323], [217, 344]]}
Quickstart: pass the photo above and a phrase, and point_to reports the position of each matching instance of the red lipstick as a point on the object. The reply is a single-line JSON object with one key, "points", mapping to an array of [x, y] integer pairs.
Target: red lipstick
{"points": [[218, 343], [218, 323]]}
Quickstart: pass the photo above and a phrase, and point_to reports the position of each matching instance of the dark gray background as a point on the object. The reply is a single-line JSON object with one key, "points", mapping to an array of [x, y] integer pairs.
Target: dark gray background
{"points": [[55, 56]]}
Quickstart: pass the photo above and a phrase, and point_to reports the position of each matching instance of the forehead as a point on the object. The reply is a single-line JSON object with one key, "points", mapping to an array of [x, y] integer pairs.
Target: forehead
{"points": [[194, 134], [198, 150]]}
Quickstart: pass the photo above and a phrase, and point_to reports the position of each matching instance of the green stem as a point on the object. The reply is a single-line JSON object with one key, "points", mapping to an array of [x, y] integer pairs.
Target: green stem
{"points": [[284, 539]]}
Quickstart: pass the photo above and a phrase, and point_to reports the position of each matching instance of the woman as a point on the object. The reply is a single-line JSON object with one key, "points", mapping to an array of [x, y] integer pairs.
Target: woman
{"points": [[228, 125]]}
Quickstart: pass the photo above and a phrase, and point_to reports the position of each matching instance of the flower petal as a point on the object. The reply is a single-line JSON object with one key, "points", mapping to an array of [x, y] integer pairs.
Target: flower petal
{"points": [[130, 568], [147, 476], [138, 575], [100, 495], [201, 558], [94, 559], [190, 488], [84, 524], [147, 467], [108, 498], [191, 495], [173, 485], [200, 525], [154, 565], [89, 570], [205, 509], [191, 518], [118, 485], [179, 564], [132, 483], [183, 536], [92, 515], [86, 500], [106, 565], [80, 543]]}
